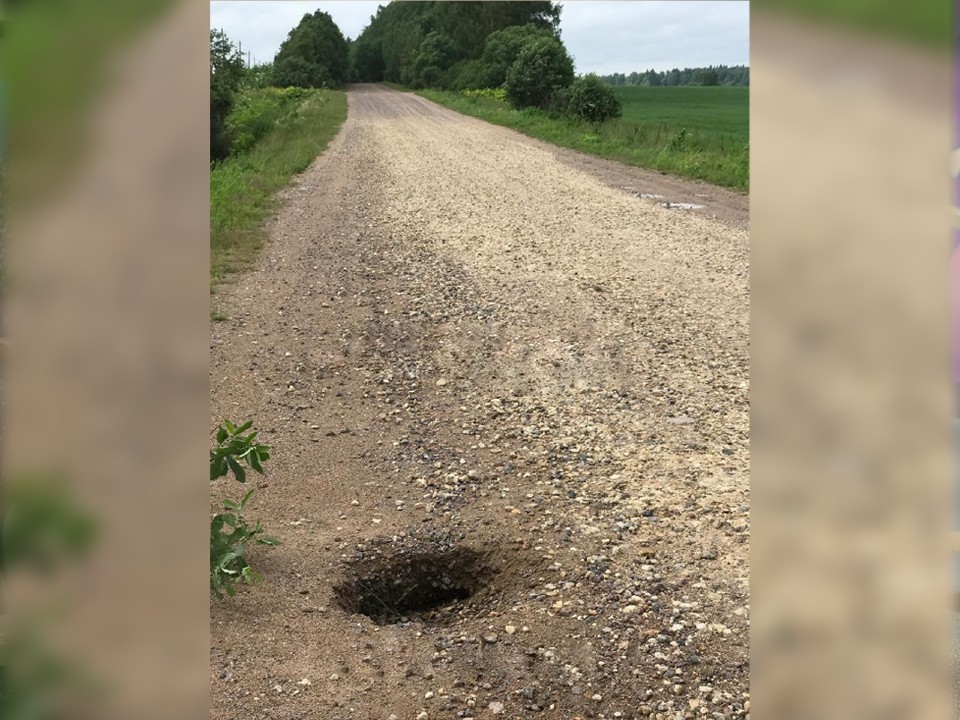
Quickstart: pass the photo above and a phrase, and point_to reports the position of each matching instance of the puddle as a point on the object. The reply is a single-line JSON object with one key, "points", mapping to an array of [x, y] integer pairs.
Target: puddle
{"points": [[682, 206]]}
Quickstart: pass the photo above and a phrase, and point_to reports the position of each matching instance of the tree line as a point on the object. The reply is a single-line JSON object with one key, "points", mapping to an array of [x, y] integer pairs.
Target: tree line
{"points": [[713, 75], [513, 47]]}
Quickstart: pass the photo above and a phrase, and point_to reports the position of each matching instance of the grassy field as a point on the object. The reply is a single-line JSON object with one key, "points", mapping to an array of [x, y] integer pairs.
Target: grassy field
{"points": [[278, 134], [720, 113], [695, 132], [924, 23]]}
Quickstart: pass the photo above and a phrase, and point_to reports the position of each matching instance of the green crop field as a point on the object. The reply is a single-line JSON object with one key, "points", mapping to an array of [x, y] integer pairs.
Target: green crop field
{"points": [[717, 114], [691, 131]]}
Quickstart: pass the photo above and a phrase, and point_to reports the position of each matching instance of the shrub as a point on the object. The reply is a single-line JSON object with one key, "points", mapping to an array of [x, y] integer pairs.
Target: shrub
{"points": [[434, 56], [501, 48], [258, 76], [257, 112], [591, 100], [542, 68], [230, 533], [294, 71], [466, 75], [498, 94]]}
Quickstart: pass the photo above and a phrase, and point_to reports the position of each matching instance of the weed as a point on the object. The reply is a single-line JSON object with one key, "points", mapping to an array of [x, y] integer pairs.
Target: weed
{"points": [[679, 141], [230, 533]]}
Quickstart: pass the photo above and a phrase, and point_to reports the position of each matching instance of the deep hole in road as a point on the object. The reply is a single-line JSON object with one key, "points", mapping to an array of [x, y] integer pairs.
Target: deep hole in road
{"points": [[418, 585]]}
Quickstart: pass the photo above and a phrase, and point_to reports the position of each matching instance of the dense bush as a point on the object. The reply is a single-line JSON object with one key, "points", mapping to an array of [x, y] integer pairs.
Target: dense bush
{"points": [[434, 57], [258, 76], [294, 71], [502, 48], [590, 99], [542, 68], [256, 112], [466, 75], [366, 61]]}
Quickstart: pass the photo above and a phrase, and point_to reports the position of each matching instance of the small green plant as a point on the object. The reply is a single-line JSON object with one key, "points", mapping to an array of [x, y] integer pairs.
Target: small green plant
{"points": [[679, 141], [230, 533]]}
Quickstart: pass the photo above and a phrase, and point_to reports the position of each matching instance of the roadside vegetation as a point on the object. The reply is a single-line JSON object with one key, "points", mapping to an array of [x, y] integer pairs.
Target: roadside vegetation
{"points": [[231, 533], [262, 135], [505, 63], [696, 132]]}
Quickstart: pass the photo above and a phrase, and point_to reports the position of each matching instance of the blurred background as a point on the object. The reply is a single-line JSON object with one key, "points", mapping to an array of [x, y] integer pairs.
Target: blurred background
{"points": [[105, 330]]}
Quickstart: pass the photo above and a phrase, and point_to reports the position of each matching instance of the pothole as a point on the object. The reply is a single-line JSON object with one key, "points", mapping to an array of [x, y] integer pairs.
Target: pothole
{"points": [[430, 583]]}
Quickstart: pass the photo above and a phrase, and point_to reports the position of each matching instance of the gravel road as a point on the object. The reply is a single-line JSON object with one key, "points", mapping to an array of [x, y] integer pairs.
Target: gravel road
{"points": [[501, 380]]}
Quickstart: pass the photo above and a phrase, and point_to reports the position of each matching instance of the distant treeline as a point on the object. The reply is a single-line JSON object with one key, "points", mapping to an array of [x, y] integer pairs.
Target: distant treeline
{"points": [[713, 75]]}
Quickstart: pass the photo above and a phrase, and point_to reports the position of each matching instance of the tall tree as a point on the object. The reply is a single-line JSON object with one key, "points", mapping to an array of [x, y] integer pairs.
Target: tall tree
{"points": [[315, 54], [226, 72]]}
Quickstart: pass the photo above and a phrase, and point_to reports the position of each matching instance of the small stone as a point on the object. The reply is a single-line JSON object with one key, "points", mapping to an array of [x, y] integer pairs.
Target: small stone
{"points": [[596, 696], [496, 707], [423, 716], [441, 382], [427, 695], [628, 609], [305, 681], [511, 629], [490, 639]]}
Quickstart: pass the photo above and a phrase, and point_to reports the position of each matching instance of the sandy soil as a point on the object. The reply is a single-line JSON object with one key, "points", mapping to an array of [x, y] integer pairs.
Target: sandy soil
{"points": [[489, 368]]}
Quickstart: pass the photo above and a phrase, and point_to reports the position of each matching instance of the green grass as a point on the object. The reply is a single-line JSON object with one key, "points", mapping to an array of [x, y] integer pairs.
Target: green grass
{"points": [[920, 23], [300, 124], [695, 132]]}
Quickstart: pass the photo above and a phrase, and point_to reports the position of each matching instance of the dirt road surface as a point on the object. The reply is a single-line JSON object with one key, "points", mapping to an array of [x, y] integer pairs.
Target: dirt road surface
{"points": [[508, 401]]}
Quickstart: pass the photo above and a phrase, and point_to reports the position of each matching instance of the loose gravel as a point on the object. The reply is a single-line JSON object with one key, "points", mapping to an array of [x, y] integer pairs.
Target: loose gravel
{"points": [[460, 339]]}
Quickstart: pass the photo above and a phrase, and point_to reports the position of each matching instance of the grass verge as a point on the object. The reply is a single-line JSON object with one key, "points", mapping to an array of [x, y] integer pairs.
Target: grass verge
{"points": [[281, 132], [681, 143]]}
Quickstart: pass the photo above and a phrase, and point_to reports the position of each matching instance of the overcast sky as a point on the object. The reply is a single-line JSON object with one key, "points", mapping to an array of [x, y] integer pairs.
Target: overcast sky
{"points": [[602, 37]]}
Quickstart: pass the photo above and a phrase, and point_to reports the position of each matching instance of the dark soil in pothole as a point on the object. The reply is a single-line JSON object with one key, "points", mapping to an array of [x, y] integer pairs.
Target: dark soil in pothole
{"points": [[430, 582]]}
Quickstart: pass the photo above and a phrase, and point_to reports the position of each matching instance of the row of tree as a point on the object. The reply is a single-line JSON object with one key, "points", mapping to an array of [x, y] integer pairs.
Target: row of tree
{"points": [[713, 75], [478, 45], [444, 44]]}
